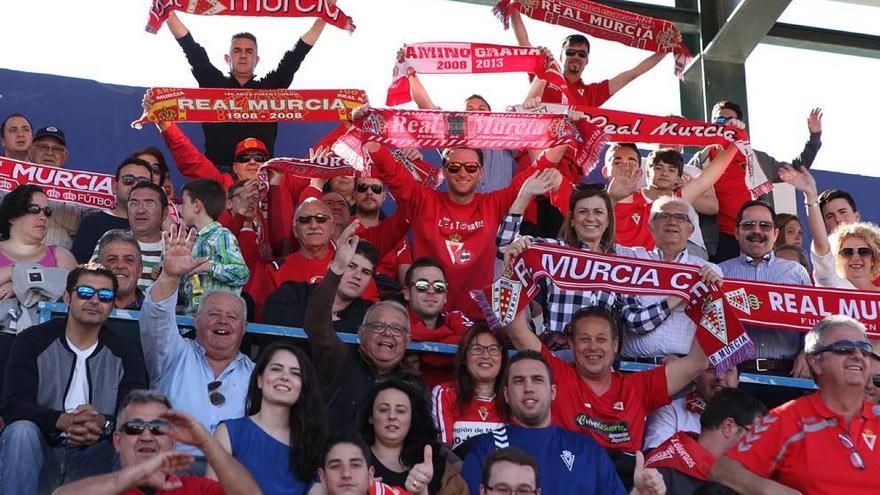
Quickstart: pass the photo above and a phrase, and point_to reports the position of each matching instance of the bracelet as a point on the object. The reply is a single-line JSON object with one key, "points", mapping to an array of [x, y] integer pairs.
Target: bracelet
{"points": [[809, 204]]}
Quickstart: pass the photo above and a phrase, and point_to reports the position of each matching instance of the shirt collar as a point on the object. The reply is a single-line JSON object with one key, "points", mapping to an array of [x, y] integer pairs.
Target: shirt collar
{"points": [[869, 411], [769, 257], [210, 228], [679, 258]]}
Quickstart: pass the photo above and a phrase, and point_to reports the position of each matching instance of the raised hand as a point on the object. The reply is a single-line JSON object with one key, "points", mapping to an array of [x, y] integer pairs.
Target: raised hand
{"points": [[187, 429], [411, 154], [540, 183], [421, 474], [648, 481], [360, 112], [178, 261], [624, 182], [801, 179], [516, 248], [814, 121], [710, 277], [158, 471], [346, 245]]}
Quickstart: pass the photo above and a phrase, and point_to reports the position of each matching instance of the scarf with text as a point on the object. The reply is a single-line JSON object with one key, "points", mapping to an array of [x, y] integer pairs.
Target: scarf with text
{"points": [[719, 332], [607, 23], [60, 184], [467, 58], [694, 402], [440, 129], [682, 453], [159, 10], [642, 128], [248, 105]]}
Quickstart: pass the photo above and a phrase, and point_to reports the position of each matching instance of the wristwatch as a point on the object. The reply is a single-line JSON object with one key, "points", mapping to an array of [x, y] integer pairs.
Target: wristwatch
{"points": [[108, 428]]}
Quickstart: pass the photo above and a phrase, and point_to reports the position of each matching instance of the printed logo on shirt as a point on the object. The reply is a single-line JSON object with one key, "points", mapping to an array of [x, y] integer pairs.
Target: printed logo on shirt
{"points": [[316, 279], [614, 433], [870, 439], [457, 252], [636, 217], [581, 91], [618, 406], [568, 459], [483, 412]]}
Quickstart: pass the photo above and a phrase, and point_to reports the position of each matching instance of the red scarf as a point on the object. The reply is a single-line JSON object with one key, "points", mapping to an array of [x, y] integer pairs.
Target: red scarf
{"points": [[440, 129], [160, 9], [683, 454], [60, 184], [248, 105], [694, 403], [642, 128], [719, 332], [639, 31], [467, 58]]}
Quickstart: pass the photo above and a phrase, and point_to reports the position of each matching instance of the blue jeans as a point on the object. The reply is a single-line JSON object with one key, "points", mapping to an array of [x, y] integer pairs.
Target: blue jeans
{"points": [[30, 465]]}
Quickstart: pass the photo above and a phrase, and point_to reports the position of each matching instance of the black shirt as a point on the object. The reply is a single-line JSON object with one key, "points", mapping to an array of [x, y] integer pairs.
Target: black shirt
{"points": [[90, 231]]}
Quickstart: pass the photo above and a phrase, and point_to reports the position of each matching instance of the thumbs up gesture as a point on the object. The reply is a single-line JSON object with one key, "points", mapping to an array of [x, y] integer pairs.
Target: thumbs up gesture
{"points": [[647, 481], [421, 474]]}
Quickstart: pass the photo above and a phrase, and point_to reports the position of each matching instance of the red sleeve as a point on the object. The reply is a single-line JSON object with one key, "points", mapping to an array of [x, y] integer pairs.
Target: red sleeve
{"points": [[443, 398], [330, 138], [655, 387], [232, 221], [504, 197], [281, 210], [190, 161], [758, 450], [310, 192], [407, 191], [259, 284], [404, 255], [387, 235], [561, 369]]}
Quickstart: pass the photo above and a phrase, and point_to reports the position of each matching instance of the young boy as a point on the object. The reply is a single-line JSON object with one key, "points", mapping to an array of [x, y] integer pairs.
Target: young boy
{"points": [[203, 202]]}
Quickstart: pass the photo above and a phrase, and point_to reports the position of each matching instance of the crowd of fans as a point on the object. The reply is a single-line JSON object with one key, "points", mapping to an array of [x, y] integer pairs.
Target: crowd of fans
{"points": [[539, 406]]}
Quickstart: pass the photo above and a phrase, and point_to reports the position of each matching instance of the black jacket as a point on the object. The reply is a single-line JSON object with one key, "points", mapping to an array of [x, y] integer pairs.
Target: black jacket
{"points": [[220, 139], [287, 304]]}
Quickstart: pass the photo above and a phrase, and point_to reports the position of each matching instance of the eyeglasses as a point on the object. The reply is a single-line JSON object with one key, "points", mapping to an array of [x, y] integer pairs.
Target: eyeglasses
{"points": [[721, 120], [423, 285], [506, 490], [854, 458], [51, 148], [678, 217], [216, 397], [86, 292], [380, 327], [863, 252], [149, 204], [155, 167], [571, 52], [376, 188], [34, 209], [257, 157], [307, 219], [845, 347], [753, 225], [469, 167], [876, 380], [477, 349], [136, 427], [130, 180]]}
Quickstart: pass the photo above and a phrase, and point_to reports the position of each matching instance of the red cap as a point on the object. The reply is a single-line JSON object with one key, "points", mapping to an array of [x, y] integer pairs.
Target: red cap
{"points": [[250, 144]]}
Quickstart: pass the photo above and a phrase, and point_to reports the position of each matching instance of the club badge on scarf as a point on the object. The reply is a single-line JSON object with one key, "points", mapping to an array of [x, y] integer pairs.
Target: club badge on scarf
{"points": [[60, 184], [248, 105], [719, 331], [467, 58], [322, 9], [603, 22]]}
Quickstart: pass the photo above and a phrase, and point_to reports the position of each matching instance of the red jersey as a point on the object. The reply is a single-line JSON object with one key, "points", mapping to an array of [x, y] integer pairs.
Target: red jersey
{"points": [[589, 95], [480, 416], [460, 237], [616, 419], [631, 222], [731, 191], [799, 445], [451, 327], [390, 263], [297, 268], [192, 485]]}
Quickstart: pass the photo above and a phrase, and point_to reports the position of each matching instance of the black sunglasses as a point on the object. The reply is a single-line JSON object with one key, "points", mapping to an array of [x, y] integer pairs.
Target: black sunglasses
{"points": [[571, 52], [423, 285], [864, 252], [257, 157], [34, 209], [376, 188], [130, 180], [86, 292], [136, 427], [307, 219], [216, 397], [469, 167], [844, 347]]}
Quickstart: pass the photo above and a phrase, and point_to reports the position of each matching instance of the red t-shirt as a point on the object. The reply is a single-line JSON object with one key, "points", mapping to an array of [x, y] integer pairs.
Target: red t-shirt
{"points": [[393, 259], [616, 419], [631, 222], [590, 95], [192, 485], [798, 444], [452, 326], [297, 268], [732, 192], [480, 416]]}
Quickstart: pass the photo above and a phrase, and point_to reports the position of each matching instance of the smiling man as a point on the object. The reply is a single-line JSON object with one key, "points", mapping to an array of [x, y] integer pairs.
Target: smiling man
{"points": [[206, 377], [820, 443], [120, 253]]}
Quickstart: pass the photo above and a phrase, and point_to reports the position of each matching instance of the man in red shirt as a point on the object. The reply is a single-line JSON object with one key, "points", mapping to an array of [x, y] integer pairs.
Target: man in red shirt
{"points": [[606, 404], [369, 195], [145, 438], [575, 56], [822, 443]]}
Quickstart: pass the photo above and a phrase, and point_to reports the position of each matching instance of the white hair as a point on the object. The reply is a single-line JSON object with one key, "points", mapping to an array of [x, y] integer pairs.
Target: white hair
{"points": [[211, 294], [816, 336], [389, 304], [659, 203]]}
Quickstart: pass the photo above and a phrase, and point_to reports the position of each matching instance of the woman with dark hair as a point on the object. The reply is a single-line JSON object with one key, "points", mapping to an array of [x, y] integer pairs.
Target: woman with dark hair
{"points": [[471, 404], [396, 424], [790, 231], [281, 439]]}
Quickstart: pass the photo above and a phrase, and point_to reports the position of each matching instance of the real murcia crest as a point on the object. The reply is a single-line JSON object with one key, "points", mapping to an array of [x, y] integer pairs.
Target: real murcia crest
{"points": [[618, 406], [714, 321], [483, 412], [568, 459], [870, 439]]}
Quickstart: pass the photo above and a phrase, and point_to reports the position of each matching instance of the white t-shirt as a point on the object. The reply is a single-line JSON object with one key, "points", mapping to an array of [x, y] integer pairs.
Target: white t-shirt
{"points": [[78, 392]]}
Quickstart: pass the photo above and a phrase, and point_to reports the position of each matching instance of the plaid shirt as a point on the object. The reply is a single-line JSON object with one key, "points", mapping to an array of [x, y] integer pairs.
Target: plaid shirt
{"points": [[562, 304], [228, 269]]}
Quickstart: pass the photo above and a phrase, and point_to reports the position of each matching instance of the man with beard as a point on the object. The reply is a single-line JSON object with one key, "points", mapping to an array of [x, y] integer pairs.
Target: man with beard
{"points": [[121, 254], [16, 137], [778, 351], [369, 195]]}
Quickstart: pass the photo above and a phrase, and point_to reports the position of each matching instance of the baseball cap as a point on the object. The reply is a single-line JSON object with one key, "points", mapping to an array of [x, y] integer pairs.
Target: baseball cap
{"points": [[52, 132], [250, 144]]}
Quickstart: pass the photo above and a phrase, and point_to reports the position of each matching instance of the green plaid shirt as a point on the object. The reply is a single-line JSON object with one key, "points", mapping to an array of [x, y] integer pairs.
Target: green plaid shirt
{"points": [[228, 269]]}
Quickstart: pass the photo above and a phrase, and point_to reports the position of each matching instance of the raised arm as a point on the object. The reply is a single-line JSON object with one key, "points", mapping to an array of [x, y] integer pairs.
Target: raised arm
{"points": [[420, 94], [804, 181], [519, 28], [772, 166], [202, 69], [156, 472], [176, 26], [681, 372], [311, 36], [521, 335], [191, 162], [617, 82], [695, 187]]}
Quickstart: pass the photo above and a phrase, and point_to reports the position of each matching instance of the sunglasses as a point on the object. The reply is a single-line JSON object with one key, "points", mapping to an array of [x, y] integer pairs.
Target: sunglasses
{"points": [[753, 225], [217, 399], [86, 292], [721, 120], [845, 347], [130, 180], [307, 219], [571, 52], [876, 380], [863, 252], [678, 217], [136, 427], [34, 209], [257, 157], [376, 188], [469, 167], [423, 285], [854, 458]]}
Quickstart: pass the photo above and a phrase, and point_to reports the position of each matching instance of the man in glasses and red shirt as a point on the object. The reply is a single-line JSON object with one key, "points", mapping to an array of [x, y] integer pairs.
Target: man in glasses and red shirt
{"points": [[825, 442]]}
